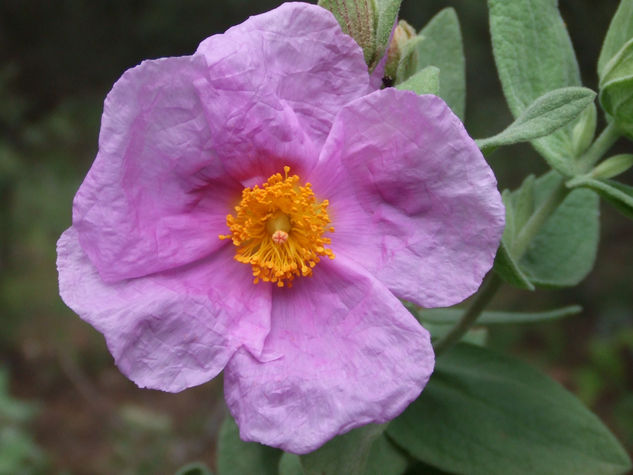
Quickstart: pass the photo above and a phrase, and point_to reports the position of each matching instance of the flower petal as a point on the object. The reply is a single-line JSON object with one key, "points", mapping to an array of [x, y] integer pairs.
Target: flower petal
{"points": [[155, 197], [348, 354], [414, 201], [169, 331], [276, 83]]}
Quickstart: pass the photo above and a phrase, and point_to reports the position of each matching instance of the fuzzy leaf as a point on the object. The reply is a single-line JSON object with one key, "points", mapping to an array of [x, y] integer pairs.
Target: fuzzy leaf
{"points": [[545, 115], [509, 270], [613, 166], [534, 55], [616, 88], [425, 81], [564, 252], [617, 194], [620, 31], [486, 413], [441, 46], [519, 207]]}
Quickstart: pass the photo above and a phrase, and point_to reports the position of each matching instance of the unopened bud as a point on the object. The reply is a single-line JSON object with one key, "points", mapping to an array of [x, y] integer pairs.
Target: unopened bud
{"points": [[399, 48]]}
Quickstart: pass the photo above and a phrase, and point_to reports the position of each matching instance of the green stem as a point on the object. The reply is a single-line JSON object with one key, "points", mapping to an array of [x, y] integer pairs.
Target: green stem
{"points": [[600, 146], [533, 225], [481, 300], [493, 281], [529, 231]]}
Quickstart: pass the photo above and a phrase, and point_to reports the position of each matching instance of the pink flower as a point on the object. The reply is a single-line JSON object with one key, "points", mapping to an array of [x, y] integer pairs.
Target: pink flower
{"points": [[201, 187]]}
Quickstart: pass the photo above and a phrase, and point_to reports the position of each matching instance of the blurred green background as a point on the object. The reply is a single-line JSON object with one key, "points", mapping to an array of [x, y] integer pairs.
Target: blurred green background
{"points": [[64, 407]]}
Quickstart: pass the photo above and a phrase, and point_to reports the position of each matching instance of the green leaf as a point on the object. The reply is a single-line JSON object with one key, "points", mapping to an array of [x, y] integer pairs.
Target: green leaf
{"points": [[613, 166], [522, 203], [290, 464], [352, 454], [450, 316], [564, 251], [519, 207], [534, 55], [617, 194], [545, 115], [620, 66], [620, 31], [385, 458], [236, 457], [616, 88], [441, 46], [508, 269], [425, 81], [386, 16], [486, 413]]}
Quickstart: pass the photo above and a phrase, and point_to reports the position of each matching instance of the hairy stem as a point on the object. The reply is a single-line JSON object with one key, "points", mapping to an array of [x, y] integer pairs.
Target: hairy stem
{"points": [[538, 219]]}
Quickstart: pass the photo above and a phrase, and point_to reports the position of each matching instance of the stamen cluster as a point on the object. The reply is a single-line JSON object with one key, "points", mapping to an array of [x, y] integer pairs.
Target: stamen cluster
{"points": [[279, 229]]}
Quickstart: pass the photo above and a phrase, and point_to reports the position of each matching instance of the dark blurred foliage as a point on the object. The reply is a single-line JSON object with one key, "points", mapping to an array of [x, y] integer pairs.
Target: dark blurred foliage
{"points": [[58, 59]]}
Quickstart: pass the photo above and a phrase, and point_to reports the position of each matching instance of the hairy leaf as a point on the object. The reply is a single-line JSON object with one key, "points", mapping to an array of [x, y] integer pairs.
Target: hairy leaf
{"points": [[620, 31], [545, 115], [534, 55], [441, 46], [425, 81]]}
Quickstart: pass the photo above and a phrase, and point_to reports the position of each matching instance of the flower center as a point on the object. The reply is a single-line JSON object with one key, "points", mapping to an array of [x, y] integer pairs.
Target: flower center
{"points": [[278, 229]]}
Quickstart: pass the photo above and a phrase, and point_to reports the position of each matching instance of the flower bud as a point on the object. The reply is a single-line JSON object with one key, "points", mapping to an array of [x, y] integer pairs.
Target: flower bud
{"points": [[399, 48]]}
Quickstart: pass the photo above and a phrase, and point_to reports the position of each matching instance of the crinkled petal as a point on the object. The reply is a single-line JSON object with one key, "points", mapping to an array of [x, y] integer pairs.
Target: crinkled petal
{"points": [[347, 354], [168, 331], [413, 199], [155, 197], [276, 82]]}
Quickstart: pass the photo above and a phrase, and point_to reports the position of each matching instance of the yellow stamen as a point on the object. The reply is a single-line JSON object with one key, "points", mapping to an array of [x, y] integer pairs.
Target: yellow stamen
{"points": [[278, 229]]}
